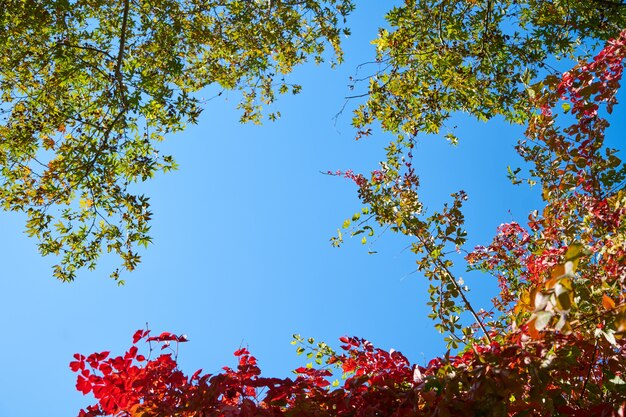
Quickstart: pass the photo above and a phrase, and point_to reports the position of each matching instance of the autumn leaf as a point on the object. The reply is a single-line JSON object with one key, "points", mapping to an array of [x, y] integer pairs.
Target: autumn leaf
{"points": [[607, 302]]}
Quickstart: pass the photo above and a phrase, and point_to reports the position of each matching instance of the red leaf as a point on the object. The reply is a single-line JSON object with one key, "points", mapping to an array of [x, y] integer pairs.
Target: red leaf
{"points": [[83, 385], [322, 383], [242, 351], [140, 334], [105, 368], [163, 337], [132, 352], [75, 366], [349, 365]]}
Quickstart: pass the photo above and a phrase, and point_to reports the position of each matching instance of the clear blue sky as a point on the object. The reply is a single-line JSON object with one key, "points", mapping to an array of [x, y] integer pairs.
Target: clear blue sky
{"points": [[241, 252]]}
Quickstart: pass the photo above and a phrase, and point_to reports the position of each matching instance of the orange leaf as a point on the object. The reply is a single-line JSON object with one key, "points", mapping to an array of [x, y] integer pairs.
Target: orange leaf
{"points": [[607, 302], [532, 331]]}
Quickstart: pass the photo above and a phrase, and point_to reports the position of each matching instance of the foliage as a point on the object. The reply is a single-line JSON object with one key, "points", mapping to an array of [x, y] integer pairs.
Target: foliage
{"points": [[479, 58], [474, 57], [89, 87], [553, 344]]}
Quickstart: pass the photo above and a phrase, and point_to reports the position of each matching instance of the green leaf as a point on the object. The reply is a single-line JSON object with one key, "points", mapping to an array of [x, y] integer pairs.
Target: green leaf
{"points": [[566, 107]]}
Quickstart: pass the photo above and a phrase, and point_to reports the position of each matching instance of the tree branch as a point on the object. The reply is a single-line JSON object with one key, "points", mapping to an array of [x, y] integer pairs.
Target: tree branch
{"points": [[120, 53], [468, 306]]}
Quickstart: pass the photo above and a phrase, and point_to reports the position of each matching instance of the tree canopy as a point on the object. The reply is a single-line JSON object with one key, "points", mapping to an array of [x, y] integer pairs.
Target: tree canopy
{"points": [[442, 57], [89, 88]]}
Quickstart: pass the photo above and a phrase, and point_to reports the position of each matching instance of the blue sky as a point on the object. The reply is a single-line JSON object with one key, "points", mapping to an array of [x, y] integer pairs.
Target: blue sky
{"points": [[241, 253]]}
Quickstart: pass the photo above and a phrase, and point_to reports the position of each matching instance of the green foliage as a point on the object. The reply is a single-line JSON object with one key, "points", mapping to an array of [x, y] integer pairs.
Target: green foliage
{"points": [[442, 57], [89, 87]]}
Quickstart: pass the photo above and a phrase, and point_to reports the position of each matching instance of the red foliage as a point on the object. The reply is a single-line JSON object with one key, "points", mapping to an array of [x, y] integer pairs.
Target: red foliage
{"points": [[485, 380]]}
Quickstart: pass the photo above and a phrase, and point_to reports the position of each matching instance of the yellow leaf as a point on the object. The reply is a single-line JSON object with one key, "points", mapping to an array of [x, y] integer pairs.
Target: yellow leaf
{"points": [[566, 284], [541, 300], [542, 319], [574, 251], [525, 302], [566, 328], [532, 295]]}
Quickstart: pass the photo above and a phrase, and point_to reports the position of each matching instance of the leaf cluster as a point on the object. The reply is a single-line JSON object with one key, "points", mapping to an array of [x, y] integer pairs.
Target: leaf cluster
{"points": [[89, 87]]}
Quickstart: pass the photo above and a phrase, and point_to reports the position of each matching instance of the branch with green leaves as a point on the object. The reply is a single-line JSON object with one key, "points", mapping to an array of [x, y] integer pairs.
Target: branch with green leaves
{"points": [[89, 88]]}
